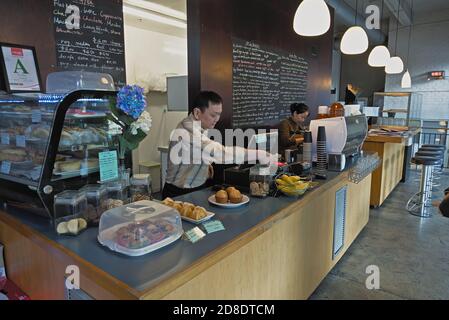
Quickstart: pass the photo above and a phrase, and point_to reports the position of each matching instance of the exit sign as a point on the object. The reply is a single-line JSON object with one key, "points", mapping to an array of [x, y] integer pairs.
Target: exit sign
{"points": [[436, 75]]}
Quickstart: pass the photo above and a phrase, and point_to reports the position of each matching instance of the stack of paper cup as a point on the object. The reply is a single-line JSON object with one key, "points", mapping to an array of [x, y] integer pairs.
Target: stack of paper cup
{"points": [[321, 153]]}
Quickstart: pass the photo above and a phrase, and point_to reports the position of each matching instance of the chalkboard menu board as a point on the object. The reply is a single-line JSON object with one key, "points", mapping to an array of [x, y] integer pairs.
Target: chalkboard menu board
{"points": [[265, 83], [89, 36]]}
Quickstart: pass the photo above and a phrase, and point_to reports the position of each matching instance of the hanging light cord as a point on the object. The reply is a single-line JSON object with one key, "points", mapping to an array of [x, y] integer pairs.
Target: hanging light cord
{"points": [[397, 29], [381, 16], [410, 33], [356, 11]]}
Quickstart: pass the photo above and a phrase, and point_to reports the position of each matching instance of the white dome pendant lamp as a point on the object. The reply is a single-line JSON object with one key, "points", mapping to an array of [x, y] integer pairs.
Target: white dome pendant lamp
{"points": [[406, 82], [380, 55], [395, 65], [312, 18], [355, 40]]}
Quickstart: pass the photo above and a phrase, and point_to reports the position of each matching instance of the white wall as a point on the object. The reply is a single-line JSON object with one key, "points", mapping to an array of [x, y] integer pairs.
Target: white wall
{"points": [[151, 56], [429, 51]]}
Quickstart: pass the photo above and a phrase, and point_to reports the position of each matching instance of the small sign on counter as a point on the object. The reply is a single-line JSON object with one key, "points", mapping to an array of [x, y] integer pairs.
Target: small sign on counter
{"points": [[213, 226], [195, 234], [108, 165]]}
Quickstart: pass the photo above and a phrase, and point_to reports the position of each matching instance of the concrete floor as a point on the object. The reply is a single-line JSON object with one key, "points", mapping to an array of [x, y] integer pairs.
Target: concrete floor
{"points": [[412, 253]]}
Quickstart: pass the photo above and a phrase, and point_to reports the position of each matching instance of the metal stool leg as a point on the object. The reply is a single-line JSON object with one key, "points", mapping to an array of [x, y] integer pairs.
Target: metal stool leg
{"points": [[417, 204]]}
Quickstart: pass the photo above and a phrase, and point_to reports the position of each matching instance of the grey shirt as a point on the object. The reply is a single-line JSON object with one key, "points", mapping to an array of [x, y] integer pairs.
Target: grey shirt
{"points": [[193, 169]]}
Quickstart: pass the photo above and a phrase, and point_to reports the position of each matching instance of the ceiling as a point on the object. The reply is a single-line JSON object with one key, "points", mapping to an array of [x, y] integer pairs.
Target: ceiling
{"points": [[421, 9], [419, 6], [426, 6], [180, 5]]}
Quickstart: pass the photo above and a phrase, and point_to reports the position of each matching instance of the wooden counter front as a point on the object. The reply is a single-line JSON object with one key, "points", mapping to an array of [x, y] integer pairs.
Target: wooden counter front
{"points": [[289, 260], [285, 256], [389, 174]]}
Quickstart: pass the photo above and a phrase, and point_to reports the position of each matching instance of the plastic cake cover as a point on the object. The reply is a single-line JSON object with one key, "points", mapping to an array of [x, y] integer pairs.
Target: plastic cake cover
{"points": [[139, 228]]}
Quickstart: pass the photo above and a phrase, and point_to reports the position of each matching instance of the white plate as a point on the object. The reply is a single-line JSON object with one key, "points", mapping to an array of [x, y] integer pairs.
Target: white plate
{"points": [[228, 205], [209, 215]]}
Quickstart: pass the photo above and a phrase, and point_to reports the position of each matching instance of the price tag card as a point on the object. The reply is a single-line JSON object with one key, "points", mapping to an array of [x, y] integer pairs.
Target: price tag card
{"points": [[195, 234], [108, 165], [20, 141], [5, 138], [213, 226], [36, 116], [6, 167]]}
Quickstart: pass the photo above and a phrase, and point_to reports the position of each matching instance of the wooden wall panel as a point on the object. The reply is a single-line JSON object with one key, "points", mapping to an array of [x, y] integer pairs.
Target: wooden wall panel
{"points": [[29, 22]]}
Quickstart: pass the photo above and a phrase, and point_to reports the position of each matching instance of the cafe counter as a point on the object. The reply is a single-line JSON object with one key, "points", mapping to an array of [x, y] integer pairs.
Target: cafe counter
{"points": [[395, 151], [272, 248]]}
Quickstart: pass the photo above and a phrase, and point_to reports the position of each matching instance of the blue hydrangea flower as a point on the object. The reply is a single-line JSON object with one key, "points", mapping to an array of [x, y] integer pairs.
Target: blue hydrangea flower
{"points": [[131, 100]]}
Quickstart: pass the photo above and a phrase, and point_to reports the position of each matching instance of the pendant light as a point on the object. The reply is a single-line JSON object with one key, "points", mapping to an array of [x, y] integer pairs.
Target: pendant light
{"points": [[312, 18], [406, 82], [380, 55], [395, 64], [355, 39]]}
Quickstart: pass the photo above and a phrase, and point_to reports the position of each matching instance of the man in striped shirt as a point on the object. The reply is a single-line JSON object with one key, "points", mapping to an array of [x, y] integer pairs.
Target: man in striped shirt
{"points": [[191, 152]]}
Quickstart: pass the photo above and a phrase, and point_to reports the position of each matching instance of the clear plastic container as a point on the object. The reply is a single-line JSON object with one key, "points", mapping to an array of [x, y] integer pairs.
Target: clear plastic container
{"points": [[117, 194], [260, 180], [140, 188], [70, 211], [97, 196], [139, 228]]}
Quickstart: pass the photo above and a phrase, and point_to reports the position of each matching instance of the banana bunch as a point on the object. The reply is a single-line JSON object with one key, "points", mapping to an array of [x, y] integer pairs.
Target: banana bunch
{"points": [[291, 185]]}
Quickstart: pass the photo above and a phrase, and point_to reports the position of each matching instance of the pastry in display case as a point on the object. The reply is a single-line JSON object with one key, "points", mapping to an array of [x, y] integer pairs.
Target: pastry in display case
{"points": [[50, 143]]}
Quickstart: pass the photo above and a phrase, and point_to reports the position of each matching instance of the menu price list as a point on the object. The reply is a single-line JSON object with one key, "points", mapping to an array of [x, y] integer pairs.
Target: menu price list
{"points": [[89, 36], [265, 83]]}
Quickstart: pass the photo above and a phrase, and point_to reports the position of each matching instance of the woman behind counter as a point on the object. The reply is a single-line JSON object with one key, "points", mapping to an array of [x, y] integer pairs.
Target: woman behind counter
{"points": [[291, 129]]}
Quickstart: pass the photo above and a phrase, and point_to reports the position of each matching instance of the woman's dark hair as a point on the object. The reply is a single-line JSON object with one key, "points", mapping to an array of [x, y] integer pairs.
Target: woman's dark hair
{"points": [[298, 108], [203, 99]]}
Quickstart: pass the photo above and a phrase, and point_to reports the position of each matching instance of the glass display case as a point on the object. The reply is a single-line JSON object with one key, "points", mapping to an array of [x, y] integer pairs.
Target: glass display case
{"points": [[398, 108], [50, 143]]}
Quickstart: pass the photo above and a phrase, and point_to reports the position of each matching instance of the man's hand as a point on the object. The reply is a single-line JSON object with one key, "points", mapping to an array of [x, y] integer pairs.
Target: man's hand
{"points": [[266, 158], [210, 172]]}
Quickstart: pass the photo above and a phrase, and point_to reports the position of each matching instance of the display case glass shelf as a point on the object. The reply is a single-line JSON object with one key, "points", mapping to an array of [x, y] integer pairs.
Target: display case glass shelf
{"points": [[50, 143]]}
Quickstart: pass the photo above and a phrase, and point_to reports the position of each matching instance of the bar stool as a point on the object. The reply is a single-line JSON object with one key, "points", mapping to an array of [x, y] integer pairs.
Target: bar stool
{"points": [[418, 203], [435, 169], [437, 146], [430, 151], [433, 147]]}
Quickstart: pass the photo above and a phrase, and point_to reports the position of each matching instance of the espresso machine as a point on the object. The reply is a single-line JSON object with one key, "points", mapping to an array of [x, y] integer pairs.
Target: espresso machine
{"points": [[345, 137]]}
